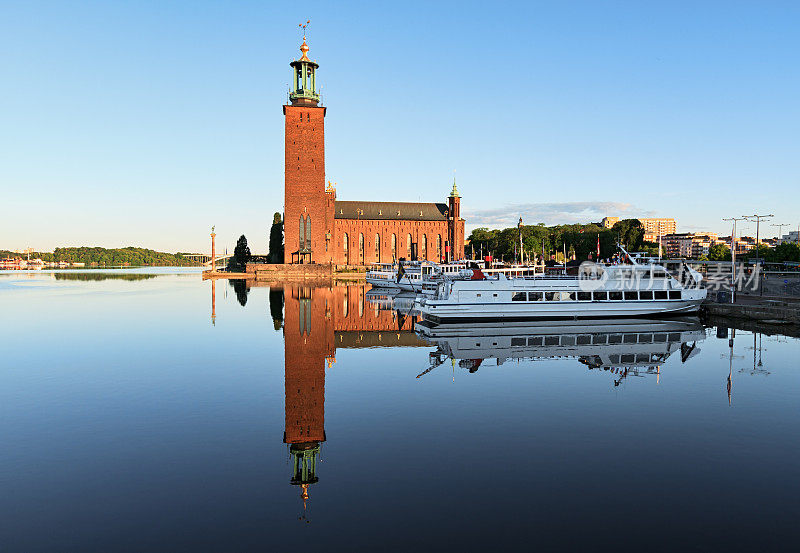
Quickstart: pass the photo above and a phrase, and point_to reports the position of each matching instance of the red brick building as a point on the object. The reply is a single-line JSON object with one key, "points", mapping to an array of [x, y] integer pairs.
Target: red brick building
{"points": [[320, 229]]}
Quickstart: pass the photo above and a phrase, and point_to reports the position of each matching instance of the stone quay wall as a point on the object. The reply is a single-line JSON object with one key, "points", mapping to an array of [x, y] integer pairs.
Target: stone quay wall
{"points": [[288, 271]]}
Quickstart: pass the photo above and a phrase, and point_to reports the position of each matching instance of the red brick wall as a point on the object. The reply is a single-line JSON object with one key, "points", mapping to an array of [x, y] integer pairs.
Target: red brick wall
{"points": [[304, 177], [384, 229]]}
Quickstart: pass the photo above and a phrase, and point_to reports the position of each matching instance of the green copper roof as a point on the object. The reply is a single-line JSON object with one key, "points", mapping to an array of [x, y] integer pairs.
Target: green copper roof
{"points": [[454, 192]]}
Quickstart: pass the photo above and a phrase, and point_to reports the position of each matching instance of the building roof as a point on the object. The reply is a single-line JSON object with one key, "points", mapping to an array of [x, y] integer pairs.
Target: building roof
{"points": [[391, 211]]}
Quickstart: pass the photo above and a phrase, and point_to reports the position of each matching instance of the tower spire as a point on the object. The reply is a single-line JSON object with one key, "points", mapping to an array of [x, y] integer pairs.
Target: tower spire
{"points": [[454, 192], [304, 46], [304, 91]]}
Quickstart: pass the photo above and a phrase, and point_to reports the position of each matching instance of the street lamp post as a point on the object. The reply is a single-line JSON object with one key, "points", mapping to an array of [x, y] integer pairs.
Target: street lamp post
{"points": [[733, 256], [758, 219], [780, 229]]}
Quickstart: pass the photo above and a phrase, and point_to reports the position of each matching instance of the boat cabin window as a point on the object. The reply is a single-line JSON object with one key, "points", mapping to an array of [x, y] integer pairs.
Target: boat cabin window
{"points": [[600, 296], [660, 294], [646, 295], [631, 295], [674, 294], [519, 296], [584, 296], [615, 296], [517, 342], [559, 296], [659, 274], [535, 296], [584, 340], [551, 340], [536, 341]]}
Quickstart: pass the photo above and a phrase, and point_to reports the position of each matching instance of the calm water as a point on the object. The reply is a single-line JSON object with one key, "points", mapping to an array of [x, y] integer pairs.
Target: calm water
{"points": [[144, 412]]}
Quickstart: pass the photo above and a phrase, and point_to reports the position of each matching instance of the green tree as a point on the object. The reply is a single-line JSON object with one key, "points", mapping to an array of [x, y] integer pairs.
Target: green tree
{"points": [[276, 240], [719, 252], [241, 255], [630, 232]]}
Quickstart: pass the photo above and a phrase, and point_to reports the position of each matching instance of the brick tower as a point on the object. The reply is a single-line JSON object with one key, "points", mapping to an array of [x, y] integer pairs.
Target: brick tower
{"points": [[308, 206], [455, 226]]}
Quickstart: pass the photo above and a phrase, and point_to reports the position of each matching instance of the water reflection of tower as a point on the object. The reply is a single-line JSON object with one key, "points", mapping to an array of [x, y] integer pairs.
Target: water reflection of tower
{"points": [[308, 347]]}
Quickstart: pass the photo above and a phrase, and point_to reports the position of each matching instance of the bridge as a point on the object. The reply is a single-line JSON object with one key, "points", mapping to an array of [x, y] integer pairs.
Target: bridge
{"points": [[219, 261]]}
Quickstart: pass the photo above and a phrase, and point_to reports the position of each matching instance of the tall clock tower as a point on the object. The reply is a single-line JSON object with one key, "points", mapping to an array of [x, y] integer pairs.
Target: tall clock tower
{"points": [[308, 216]]}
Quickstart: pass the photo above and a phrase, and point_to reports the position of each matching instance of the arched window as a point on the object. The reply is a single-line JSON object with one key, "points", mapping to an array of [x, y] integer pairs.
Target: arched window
{"points": [[439, 247], [377, 248], [408, 247], [308, 232], [361, 248], [394, 247], [423, 254], [301, 241], [346, 249]]}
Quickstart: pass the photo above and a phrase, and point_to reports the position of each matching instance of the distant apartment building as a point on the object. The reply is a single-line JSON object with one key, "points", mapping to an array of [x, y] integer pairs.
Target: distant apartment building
{"points": [[743, 244], [793, 236], [687, 244], [653, 227], [609, 222]]}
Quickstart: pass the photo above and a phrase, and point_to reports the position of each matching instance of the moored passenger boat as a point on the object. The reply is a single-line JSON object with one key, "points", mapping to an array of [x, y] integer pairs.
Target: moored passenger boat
{"points": [[597, 292]]}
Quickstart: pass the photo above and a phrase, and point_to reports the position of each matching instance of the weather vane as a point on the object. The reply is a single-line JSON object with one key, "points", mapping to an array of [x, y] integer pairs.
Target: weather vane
{"points": [[303, 26]]}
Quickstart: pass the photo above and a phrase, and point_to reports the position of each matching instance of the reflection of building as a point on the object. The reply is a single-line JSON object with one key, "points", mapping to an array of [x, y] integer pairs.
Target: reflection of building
{"points": [[319, 228], [305, 330], [317, 320]]}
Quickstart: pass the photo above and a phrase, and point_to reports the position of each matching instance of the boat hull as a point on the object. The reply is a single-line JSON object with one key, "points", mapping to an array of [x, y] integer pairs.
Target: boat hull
{"points": [[382, 283], [557, 311]]}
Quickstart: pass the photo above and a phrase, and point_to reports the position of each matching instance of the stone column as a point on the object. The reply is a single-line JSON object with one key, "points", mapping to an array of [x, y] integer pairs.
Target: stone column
{"points": [[213, 253]]}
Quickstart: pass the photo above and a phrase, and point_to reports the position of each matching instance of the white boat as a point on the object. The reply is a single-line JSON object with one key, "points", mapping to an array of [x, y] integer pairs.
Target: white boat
{"points": [[597, 292], [382, 275], [420, 277], [630, 346]]}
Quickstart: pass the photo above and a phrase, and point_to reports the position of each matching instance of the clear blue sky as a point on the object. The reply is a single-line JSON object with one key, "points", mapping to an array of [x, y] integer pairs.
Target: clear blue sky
{"points": [[144, 123]]}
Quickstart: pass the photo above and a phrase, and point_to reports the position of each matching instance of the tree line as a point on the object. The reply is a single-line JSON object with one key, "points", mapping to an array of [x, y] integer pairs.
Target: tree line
{"points": [[787, 251], [108, 256], [578, 240]]}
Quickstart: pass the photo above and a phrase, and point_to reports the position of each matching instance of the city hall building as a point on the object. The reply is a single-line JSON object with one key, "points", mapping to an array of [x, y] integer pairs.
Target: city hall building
{"points": [[318, 228]]}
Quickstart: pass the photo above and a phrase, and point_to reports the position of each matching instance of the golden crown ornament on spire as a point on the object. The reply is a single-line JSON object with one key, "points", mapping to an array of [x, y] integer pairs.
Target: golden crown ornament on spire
{"points": [[304, 46]]}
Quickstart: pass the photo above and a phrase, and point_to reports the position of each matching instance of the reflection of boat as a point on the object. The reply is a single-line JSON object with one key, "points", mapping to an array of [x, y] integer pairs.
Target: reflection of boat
{"points": [[403, 302], [620, 346]]}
